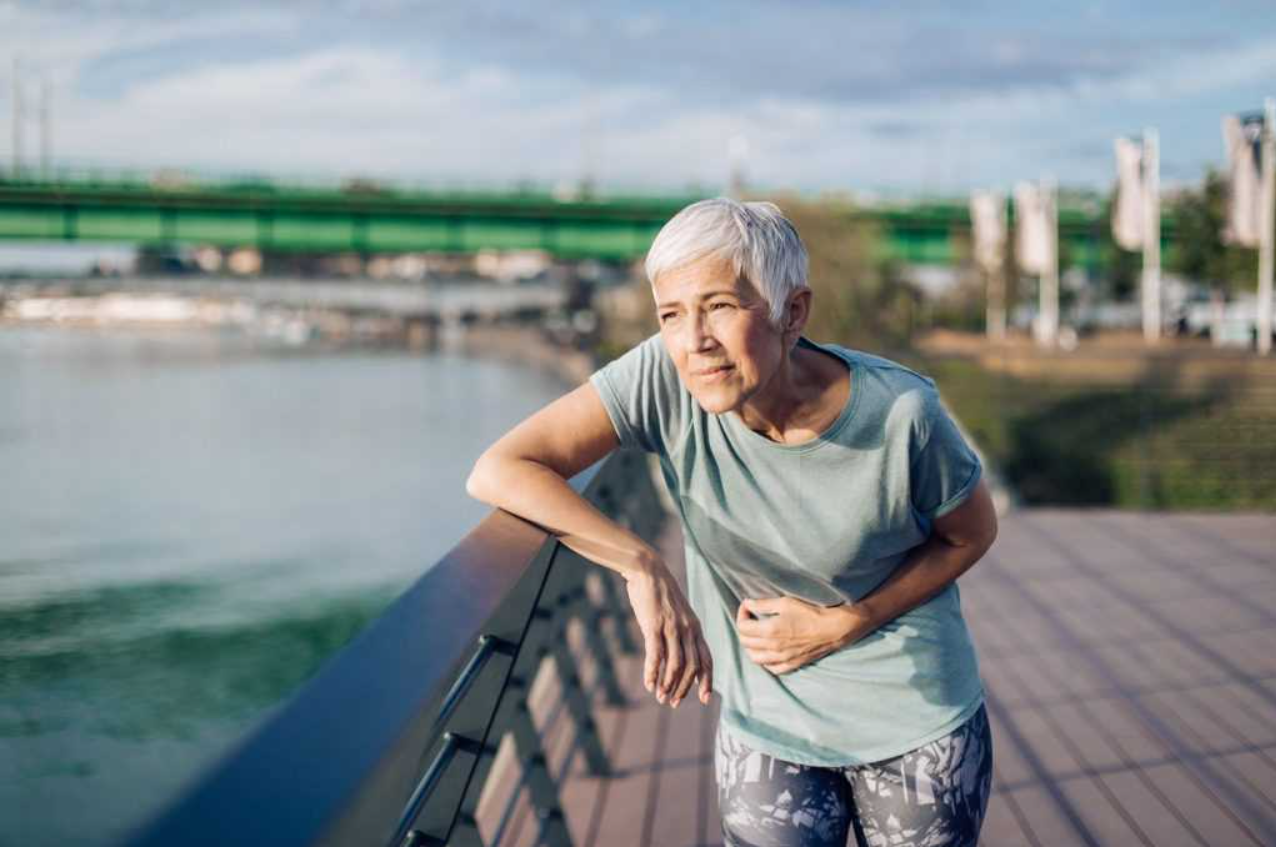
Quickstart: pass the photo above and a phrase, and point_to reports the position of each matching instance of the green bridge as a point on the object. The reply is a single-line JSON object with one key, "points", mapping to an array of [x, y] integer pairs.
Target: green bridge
{"points": [[368, 219]]}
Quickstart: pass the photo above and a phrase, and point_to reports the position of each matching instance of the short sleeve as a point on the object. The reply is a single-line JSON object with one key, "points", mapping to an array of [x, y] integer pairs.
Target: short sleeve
{"points": [[944, 470], [644, 398]]}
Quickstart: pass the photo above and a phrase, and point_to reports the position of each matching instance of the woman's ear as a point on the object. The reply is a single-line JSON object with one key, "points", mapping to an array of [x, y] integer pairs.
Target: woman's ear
{"points": [[797, 313]]}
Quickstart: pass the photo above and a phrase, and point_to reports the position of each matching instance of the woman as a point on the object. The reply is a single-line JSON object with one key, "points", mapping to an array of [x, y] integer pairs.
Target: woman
{"points": [[828, 505]]}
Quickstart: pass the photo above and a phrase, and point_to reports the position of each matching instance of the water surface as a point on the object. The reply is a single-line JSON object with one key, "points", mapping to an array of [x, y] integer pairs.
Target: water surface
{"points": [[190, 523]]}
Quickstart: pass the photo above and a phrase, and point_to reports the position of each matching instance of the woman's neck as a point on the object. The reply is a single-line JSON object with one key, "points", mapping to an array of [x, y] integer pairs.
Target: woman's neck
{"points": [[802, 398]]}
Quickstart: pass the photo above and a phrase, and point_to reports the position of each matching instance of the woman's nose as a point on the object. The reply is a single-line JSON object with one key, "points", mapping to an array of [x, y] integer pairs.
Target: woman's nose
{"points": [[701, 338]]}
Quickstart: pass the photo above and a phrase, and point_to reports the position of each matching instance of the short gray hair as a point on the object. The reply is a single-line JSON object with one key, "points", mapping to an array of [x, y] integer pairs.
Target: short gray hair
{"points": [[759, 242]]}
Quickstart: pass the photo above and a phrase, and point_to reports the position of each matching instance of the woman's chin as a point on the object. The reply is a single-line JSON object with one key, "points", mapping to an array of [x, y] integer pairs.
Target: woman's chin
{"points": [[717, 402]]}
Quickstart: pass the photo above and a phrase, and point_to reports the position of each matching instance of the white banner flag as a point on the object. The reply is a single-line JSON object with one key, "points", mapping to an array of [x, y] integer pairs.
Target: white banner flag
{"points": [[988, 229], [1127, 207], [1034, 241], [1240, 140]]}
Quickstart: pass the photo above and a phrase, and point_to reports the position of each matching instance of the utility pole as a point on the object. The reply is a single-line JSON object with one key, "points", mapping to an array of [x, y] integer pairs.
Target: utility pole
{"points": [[588, 147], [1266, 216], [1151, 236], [46, 126]]}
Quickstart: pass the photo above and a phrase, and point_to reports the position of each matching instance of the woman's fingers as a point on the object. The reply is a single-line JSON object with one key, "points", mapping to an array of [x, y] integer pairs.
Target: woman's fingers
{"points": [[692, 668], [676, 655], [706, 670], [759, 642], [777, 663], [767, 657], [675, 661], [653, 646]]}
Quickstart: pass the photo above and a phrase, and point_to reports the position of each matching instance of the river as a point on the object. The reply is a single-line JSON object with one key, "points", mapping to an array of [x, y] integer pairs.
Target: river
{"points": [[192, 521]]}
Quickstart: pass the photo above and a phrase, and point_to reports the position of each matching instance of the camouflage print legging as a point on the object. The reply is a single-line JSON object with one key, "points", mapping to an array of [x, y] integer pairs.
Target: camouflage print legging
{"points": [[934, 796]]}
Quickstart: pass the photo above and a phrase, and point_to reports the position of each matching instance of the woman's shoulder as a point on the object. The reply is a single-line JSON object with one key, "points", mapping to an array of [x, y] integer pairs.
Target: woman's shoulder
{"points": [[644, 396], [897, 374], [894, 396]]}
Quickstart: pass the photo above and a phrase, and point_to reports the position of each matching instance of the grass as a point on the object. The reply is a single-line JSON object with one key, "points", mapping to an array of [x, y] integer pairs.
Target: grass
{"points": [[1153, 440]]}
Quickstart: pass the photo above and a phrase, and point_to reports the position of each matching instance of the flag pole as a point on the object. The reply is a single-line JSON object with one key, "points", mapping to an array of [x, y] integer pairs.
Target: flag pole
{"points": [[989, 233], [1049, 282], [1151, 236], [1265, 223], [995, 321]]}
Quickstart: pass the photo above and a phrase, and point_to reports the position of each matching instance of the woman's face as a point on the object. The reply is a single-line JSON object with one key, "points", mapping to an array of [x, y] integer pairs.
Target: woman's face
{"points": [[715, 327]]}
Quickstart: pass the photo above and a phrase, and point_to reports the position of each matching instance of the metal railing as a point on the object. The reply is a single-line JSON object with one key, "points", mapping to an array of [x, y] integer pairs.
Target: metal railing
{"points": [[395, 739]]}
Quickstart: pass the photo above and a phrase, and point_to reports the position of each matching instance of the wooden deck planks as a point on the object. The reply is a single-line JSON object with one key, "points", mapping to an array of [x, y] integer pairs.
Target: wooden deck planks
{"points": [[1130, 662], [1216, 821], [1189, 706], [1102, 813], [681, 773], [1151, 811], [1001, 825]]}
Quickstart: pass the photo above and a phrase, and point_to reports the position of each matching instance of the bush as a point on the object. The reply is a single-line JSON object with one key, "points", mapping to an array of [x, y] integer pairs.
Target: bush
{"points": [[859, 296]]}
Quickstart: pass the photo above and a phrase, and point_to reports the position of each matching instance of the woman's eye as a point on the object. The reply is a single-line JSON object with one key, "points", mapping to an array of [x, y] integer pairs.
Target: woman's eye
{"points": [[666, 316], [722, 305]]}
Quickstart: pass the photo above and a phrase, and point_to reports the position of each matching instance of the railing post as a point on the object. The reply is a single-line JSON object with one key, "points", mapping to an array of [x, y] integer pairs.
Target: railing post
{"points": [[520, 621], [541, 788], [513, 715], [618, 612], [629, 515], [578, 705], [595, 611]]}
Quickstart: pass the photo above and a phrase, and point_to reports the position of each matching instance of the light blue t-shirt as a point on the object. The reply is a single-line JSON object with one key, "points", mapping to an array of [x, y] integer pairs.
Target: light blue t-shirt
{"points": [[827, 521]]}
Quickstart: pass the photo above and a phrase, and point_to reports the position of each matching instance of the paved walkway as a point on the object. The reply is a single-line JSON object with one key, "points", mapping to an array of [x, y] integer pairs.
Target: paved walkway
{"points": [[1130, 663]]}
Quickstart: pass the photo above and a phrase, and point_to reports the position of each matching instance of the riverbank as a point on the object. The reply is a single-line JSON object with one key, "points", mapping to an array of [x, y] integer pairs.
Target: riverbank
{"points": [[525, 344], [167, 312], [296, 311]]}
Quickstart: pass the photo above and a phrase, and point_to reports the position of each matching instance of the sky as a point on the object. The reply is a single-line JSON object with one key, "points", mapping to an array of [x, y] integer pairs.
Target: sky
{"points": [[899, 98]]}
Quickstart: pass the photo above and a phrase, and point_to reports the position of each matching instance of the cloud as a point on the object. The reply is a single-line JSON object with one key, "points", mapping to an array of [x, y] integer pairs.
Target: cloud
{"points": [[827, 52], [825, 95], [343, 110]]}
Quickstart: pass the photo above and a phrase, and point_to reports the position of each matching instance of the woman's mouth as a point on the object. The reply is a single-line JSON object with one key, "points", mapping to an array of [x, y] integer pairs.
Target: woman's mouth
{"points": [[715, 373]]}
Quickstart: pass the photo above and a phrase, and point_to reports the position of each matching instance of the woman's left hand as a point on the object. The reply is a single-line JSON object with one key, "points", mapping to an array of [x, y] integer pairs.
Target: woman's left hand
{"points": [[784, 633]]}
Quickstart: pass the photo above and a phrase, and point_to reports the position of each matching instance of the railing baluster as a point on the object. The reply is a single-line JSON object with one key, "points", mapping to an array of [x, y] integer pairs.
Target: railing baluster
{"points": [[488, 645], [592, 615], [430, 779], [542, 790], [563, 596], [579, 709], [617, 611]]}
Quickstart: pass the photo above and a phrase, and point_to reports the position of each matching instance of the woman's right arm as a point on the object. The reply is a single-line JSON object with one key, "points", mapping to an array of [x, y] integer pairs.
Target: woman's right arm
{"points": [[526, 473]]}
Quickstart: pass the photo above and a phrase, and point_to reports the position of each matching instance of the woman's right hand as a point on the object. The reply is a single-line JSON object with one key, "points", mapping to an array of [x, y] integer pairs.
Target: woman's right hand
{"points": [[676, 651]]}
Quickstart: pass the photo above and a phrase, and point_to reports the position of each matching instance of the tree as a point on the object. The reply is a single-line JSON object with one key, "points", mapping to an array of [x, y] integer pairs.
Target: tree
{"points": [[859, 296], [1201, 253]]}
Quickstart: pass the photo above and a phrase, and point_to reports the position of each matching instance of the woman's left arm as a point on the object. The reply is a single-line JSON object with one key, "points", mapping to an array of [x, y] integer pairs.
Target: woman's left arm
{"points": [[795, 633]]}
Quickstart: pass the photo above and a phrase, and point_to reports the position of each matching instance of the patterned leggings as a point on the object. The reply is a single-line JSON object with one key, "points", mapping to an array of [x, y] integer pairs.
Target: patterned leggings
{"points": [[934, 796]]}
